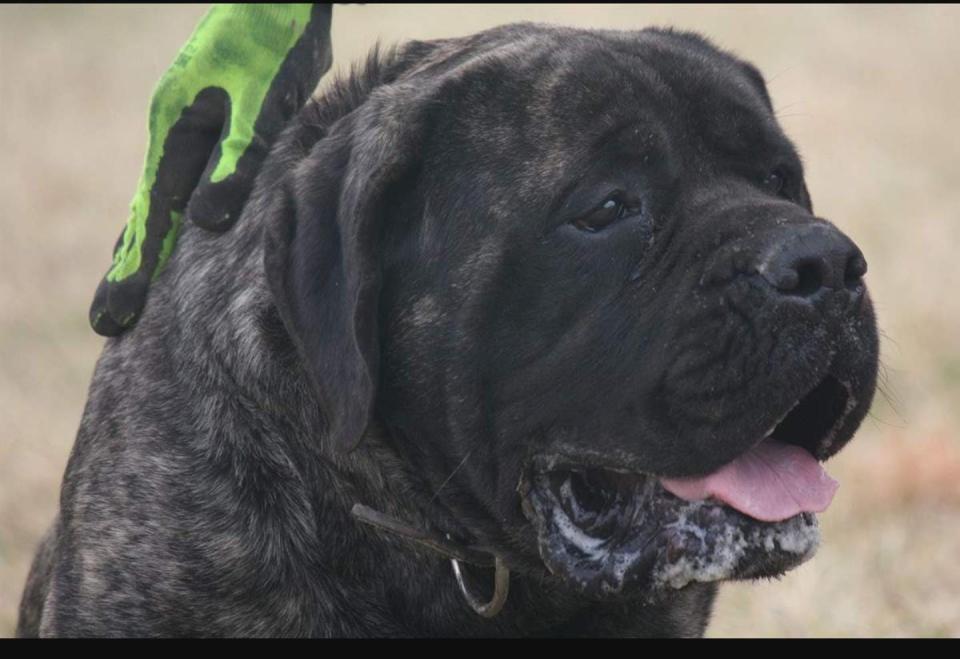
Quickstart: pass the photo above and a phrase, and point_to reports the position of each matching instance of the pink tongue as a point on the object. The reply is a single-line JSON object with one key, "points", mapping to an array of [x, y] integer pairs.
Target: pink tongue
{"points": [[771, 482]]}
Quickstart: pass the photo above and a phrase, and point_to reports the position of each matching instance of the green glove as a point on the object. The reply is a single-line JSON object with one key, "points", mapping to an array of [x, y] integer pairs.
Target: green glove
{"points": [[214, 115]]}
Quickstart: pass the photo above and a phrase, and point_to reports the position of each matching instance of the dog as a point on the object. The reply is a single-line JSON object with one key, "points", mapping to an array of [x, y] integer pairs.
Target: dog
{"points": [[538, 295]]}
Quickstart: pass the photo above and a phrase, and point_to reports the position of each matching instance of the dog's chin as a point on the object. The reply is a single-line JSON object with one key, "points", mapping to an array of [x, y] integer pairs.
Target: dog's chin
{"points": [[612, 534]]}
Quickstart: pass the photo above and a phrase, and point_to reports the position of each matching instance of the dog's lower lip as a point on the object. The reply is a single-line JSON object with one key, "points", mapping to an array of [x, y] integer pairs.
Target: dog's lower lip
{"points": [[647, 541], [597, 501]]}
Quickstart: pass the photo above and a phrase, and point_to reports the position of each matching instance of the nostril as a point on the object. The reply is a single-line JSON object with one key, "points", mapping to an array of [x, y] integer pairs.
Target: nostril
{"points": [[809, 278], [856, 269]]}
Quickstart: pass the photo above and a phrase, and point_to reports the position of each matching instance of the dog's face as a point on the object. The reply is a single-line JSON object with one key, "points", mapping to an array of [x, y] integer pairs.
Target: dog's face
{"points": [[570, 273]]}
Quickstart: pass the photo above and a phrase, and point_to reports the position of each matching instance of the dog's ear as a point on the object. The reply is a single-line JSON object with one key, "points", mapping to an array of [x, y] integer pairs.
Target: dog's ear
{"points": [[322, 254]]}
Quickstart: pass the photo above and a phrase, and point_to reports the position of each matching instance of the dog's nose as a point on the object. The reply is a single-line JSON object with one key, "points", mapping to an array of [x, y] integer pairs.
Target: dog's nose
{"points": [[811, 259]]}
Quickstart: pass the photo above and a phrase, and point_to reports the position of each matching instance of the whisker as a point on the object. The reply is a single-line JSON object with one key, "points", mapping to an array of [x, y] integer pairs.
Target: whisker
{"points": [[886, 390], [452, 473]]}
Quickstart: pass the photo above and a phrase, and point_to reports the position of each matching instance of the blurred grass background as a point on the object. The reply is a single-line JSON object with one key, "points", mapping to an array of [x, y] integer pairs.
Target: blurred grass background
{"points": [[869, 93]]}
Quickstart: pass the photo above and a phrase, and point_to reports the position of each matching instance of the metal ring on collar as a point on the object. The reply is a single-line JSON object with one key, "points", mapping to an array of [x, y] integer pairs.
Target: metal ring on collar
{"points": [[501, 588]]}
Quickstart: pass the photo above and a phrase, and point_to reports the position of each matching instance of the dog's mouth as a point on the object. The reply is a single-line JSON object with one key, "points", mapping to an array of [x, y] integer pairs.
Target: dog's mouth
{"points": [[613, 532]]}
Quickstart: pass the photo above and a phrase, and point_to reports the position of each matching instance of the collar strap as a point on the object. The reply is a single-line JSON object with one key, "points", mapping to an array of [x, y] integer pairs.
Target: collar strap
{"points": [[455, 552], [436, 542]]}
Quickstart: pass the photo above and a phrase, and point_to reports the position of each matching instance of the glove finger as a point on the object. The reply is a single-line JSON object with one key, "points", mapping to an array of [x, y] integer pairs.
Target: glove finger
{"points": [[121, 295], [219, 199], [100, 319], [186, 150], [117, 304], [192, 143], [216, 206]]}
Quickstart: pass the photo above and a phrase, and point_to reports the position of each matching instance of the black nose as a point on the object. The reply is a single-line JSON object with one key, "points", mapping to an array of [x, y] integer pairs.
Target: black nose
{"points": [[807, 260]]}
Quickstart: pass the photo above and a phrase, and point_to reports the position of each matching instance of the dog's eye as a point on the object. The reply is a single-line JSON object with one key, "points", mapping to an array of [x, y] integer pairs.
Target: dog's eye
{"points": [[612, 209], [775, 181]]}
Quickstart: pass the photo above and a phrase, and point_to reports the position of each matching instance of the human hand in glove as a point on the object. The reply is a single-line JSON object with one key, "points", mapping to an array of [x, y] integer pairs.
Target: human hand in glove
{"points": [[214, 115]]}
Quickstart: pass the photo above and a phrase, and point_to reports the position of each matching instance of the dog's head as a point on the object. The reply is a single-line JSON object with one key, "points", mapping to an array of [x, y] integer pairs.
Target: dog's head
{"points": [[577, 278]]}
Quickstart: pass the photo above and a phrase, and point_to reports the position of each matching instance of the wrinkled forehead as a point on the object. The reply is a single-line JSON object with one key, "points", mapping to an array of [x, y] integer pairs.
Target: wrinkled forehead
{"points": [[554, 95]]}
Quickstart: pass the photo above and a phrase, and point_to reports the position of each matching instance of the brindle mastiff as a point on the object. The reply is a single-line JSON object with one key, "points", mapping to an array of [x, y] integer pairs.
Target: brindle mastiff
{"points": [[556, 297]]}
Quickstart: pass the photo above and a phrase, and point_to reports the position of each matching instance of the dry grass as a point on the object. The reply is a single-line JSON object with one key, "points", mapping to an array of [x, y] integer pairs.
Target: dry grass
{"points": [[869, 94]]}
